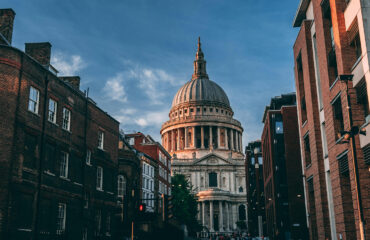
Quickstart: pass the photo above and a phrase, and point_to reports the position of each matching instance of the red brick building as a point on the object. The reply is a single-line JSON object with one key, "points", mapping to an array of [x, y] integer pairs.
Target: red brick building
{"points": [[282, 170], [256, 224], [332, 46], [58, 150]]}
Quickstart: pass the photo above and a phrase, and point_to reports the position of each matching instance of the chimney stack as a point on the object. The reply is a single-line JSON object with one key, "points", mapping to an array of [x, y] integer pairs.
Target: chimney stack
{"points": [[40, 52], [73, 80], [6, 25]]}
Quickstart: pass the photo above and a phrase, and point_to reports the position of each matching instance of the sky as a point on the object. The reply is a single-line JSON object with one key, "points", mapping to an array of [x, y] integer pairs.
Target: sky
{"points": [[134, 55]]}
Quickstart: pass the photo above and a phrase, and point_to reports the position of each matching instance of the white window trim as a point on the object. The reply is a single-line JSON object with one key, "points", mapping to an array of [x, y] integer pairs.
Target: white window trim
{"points": [[63, 226], [99, 184], [54, 111], [101, 140], [37, 102], [88, 157], [65, 157], [68, 121]]}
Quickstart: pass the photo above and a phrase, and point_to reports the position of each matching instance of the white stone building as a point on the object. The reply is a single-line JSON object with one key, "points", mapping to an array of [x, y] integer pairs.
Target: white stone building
{"points": [[206, 144]]}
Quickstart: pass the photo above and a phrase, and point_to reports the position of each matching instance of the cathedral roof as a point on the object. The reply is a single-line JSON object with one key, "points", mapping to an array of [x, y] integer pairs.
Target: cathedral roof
{"points": [[200, 88]]}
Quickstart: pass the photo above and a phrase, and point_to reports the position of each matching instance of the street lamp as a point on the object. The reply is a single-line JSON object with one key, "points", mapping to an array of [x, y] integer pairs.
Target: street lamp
{"points": [[355, 130]]}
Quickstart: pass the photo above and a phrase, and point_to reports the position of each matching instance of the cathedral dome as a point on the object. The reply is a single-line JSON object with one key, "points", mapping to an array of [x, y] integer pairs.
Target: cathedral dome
{"points": [[201, 90]]}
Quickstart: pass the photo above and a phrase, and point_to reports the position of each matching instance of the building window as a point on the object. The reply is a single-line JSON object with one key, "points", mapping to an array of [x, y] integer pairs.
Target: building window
{"points": [[301, 89], [307, 149], [204, 109], [191, 110], [260, 161], [211, 109], [97, 222], [101, 140], [84, 234], [338, 117], [366, 151], [361, 91], [356, 46], [66, 119], [216, 109], [34, 100], [88, 157], [30, 147], [61, 218], [279, 127], [185, 111], [240, 189], [212, 179], [343, 164], [52, 116], [242, 214], [64, 165], [121, 186], [107, 224], [99, 178], [198, 110]]}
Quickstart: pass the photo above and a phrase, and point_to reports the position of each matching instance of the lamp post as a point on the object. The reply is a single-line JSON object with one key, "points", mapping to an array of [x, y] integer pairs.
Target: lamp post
{"points": [[351, 134]]}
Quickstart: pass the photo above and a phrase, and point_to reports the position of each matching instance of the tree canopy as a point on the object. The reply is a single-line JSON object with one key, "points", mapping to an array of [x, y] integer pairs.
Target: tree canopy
{"points": [[184, 203]]}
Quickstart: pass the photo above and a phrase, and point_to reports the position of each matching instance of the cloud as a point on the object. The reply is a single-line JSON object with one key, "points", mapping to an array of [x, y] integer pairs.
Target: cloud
{"points": [[67, 65], [114, 88]]}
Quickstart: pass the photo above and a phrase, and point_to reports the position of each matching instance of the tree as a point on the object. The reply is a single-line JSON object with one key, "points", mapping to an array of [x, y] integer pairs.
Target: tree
{"points": [[184, 203]]}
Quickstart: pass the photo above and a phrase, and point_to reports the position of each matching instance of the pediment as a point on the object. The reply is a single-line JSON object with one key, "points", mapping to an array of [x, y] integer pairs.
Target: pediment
{"points": [[212, 159]]}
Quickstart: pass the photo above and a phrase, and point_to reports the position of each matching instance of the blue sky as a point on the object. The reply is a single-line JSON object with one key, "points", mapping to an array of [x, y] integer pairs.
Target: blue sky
{"points": [[134, 55]]}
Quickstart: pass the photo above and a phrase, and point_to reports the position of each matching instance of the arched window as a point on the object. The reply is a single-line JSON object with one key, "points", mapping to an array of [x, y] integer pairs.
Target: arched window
{"points": [[240, 189], [224, 181], [242, 215], [202, 181], [121, 184]]}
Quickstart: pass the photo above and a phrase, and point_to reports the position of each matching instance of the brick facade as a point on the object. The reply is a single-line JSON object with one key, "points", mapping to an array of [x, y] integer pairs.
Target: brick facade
{"points": [[324, 50], [48, 188], [282, 171]]}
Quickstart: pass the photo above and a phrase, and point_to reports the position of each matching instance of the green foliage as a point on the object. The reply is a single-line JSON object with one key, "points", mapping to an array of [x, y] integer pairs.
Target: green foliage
{"points": [[184, 203]]}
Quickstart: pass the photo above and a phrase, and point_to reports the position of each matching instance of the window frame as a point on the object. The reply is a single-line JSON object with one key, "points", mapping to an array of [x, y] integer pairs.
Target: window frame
{"points": [[34, 108], [101, 140], [99, 178], [53, 111], [61, 226], [65, 160], [66, 120]]}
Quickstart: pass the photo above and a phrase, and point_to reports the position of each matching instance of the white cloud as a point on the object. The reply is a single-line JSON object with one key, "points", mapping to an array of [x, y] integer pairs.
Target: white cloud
{"points": [[67, 65], [114, 88]]}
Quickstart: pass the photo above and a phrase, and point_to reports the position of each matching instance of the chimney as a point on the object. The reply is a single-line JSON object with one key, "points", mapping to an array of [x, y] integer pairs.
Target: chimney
{"points": [[40, 52], [6, 25], [73, 80]]}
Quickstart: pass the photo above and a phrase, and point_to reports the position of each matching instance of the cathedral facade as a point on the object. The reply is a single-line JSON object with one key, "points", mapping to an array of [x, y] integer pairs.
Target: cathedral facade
{"points": [[206, 144]]}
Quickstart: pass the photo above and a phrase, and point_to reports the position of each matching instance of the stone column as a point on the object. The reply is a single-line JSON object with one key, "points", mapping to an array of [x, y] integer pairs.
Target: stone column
{"points": [[232, 138], [178, 139], [203, 211], [210, 138], [235, 217], [194, 144], [237, 141], [218, 138], [211, 216], [227, 216], [221, 217], [186, 138], [226, 139], [241, 142], [172, 140], [202, 136]]}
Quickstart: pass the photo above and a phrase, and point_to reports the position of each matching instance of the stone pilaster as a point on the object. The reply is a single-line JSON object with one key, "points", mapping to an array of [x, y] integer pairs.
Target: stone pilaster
{"points": [[202, 136]]}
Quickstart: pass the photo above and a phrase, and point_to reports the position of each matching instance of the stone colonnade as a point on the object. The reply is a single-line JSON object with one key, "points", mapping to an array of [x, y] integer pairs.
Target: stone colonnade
{"points": [[202, 137], [225, 211]]}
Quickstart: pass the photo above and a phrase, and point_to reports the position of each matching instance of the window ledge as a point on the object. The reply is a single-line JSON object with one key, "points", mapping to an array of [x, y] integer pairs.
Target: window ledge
{"points": [[78, 184], [66, 130], [339, 140], [64, 178], [34, 113], [99, 189], [89, 164], [54, 123], [333, 84], [304, 123], [49, 173], [356, 63], [110, 193], [308, 166]]}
